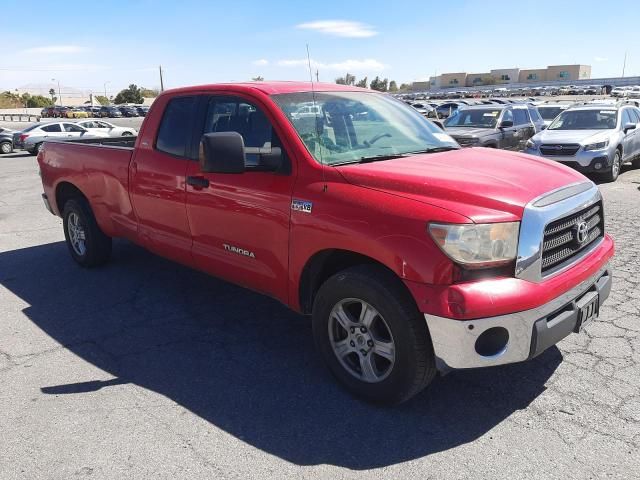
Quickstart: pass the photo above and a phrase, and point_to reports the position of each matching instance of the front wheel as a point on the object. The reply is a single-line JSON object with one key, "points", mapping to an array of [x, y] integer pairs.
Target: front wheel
{"points": [[88, 245], [371, 335], [616, 164]]}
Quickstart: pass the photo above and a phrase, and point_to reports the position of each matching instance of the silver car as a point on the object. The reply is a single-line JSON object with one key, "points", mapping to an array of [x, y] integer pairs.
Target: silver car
{"points": [[32, 138], [592, 139], [108, 128]]}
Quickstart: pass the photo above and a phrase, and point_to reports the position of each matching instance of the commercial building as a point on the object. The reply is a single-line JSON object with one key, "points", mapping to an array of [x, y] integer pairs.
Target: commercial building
{"points": [[507, 76]]}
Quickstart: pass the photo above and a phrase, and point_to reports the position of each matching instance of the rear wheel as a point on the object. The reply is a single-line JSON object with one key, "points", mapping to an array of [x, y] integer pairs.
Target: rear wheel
{"points": [[371, 335], [88, 245], [6, 147], [614, 171]]}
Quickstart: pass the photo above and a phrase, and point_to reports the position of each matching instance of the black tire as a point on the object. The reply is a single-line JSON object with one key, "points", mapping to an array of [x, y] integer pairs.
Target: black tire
{"points": [[614, 171], [636, 162], [414, 363], [97, 245], [127, 134], [6, 147]]}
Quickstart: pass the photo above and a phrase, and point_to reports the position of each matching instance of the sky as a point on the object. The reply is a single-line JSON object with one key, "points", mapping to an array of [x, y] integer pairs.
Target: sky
{"points": [[86, 45]]}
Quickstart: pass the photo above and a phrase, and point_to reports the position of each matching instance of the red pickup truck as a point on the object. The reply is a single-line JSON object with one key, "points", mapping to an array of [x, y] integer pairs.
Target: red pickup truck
{"points": [[412, 256]]}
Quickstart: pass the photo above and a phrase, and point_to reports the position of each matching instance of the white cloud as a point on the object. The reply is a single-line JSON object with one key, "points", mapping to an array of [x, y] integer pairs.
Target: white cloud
{"points": [[600, 59], [52, 49], [346, 65], [263, 62], [340, 28]]}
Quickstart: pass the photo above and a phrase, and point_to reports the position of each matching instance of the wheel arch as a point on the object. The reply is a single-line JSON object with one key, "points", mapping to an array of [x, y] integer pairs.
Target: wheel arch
{"points": [[326, 263], [64, 192]]}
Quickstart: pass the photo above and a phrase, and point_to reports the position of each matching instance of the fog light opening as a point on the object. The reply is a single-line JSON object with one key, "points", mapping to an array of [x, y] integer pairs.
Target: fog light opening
{"points": [[597, 166], [492, 342]]}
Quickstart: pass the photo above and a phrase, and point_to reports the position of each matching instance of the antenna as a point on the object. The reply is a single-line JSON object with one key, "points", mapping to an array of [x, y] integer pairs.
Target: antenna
{"points": [[315, 112]]}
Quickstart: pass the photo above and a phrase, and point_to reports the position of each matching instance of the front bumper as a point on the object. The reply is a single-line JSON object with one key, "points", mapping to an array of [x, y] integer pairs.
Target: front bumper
{"points": [[528, 333], [591, 161]]}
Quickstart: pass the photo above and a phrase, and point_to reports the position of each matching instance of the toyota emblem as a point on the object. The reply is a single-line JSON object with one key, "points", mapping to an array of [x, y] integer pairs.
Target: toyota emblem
{"points": [[582, 232]]}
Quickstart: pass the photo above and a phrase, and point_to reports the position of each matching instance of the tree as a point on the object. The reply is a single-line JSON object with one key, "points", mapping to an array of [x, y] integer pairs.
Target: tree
{"points": [[36, 101], [404, 86], [132, 94], [101, 99], [393, 86], [149, 92], [348, 79], [257, 79], [379, 85], [362, 83]]}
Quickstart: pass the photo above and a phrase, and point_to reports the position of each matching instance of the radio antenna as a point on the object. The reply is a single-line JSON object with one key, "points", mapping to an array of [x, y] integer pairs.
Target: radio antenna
{"points": [[315, 114]]}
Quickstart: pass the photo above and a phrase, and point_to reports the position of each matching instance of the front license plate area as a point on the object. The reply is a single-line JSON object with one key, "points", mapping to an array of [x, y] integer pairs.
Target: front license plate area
{"points": [[588, 309]]}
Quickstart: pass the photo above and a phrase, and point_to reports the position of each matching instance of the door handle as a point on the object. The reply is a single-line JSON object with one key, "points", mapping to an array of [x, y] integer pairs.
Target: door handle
{"points": [[197, 182]]}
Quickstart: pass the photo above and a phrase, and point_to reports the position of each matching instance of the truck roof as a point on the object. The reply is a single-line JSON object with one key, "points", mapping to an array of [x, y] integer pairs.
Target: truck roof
{"points": [[270, 88]]}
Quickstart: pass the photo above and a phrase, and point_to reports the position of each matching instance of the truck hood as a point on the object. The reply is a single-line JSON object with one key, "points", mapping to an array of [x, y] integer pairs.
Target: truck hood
{"points": [[572, 136], [483, 184], [469, 132]]}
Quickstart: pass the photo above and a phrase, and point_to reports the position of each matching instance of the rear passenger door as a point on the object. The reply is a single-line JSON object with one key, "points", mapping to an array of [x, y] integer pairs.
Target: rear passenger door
{"points": [[157, 179]]}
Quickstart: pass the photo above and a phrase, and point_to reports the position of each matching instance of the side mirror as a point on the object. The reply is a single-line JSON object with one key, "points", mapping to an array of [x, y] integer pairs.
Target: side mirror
{"points": [[506, 124], [629, 126], [222, 152]]}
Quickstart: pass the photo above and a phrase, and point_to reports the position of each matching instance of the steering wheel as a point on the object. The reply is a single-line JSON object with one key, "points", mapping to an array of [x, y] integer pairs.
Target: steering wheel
{"points": [[368, 143]]}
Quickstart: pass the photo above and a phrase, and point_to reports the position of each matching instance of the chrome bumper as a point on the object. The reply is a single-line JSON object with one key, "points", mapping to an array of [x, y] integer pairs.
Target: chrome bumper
{"points": [[529, 332]]}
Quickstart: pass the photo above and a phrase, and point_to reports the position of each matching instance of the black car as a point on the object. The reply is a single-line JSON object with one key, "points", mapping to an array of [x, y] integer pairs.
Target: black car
{"points": [[142, 111], [128, 111], [499, 126], [110, 112]]}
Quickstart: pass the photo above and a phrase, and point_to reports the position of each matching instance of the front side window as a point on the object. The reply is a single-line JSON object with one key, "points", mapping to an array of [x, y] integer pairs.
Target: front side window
{"points": [[520, 116], [591, 119], [626, 117], [357, 126], [478, 118], [175, 130], [232, 114]]}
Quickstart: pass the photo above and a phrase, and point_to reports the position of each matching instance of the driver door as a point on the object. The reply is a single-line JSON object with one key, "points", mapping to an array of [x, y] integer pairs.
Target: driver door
{"points": [[240, 222], [509, 139]]}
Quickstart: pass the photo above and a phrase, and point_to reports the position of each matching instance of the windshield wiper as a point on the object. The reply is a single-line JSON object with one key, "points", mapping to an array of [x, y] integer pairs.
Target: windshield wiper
{"points": [[376, 158], [434, 150]]}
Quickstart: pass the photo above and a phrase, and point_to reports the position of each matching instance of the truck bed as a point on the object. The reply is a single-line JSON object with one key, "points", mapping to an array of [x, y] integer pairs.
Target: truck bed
{"points": [[99, 168]]}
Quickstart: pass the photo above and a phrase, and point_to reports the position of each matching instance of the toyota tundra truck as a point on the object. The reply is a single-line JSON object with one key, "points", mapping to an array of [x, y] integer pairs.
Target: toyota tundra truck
{"points": [[412, 256]]}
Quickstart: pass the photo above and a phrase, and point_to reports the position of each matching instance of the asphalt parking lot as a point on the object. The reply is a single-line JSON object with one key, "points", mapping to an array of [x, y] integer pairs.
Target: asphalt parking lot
{"points": [[146, 369]]}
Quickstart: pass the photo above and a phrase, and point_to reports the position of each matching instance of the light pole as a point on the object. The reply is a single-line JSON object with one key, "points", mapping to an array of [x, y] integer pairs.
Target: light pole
{"points": [[105, 90], [59, 94]]}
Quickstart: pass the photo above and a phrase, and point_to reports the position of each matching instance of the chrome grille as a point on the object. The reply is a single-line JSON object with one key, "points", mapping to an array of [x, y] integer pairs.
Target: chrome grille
{"points": [[561, 242], [560, 149]]}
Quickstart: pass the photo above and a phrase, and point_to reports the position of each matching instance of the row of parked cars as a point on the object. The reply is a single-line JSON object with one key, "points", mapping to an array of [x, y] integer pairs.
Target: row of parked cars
{"points": [[596, 137], [32, 137], [511, 92], [106, 111]]}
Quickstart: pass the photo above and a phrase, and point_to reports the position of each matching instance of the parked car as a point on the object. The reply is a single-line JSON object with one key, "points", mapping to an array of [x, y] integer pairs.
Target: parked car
{"points": [[59, 112], [110, 112], [498, 126], [108, 128], [142, 111], [444, 110], [6, 141], [411, 255], [592, 139], [76, 112], [549, 111], [32, 138], [128, 111]]}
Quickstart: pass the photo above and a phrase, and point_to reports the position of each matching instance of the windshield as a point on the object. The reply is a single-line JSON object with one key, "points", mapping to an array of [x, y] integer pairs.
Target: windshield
{"points": [[549, 113], [348, 127], [585, 120], [482, 118]]}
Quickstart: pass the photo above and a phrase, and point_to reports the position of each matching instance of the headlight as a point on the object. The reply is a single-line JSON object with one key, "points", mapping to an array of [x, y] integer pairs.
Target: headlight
{"points": [[597, 146], [478, 245], [530, 144]]}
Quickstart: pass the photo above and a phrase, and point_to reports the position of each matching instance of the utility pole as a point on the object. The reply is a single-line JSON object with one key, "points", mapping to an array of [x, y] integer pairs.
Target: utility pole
{"points": [[624, 64], [161, 82], [317, 76], [59, 94], [105, 90]]}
